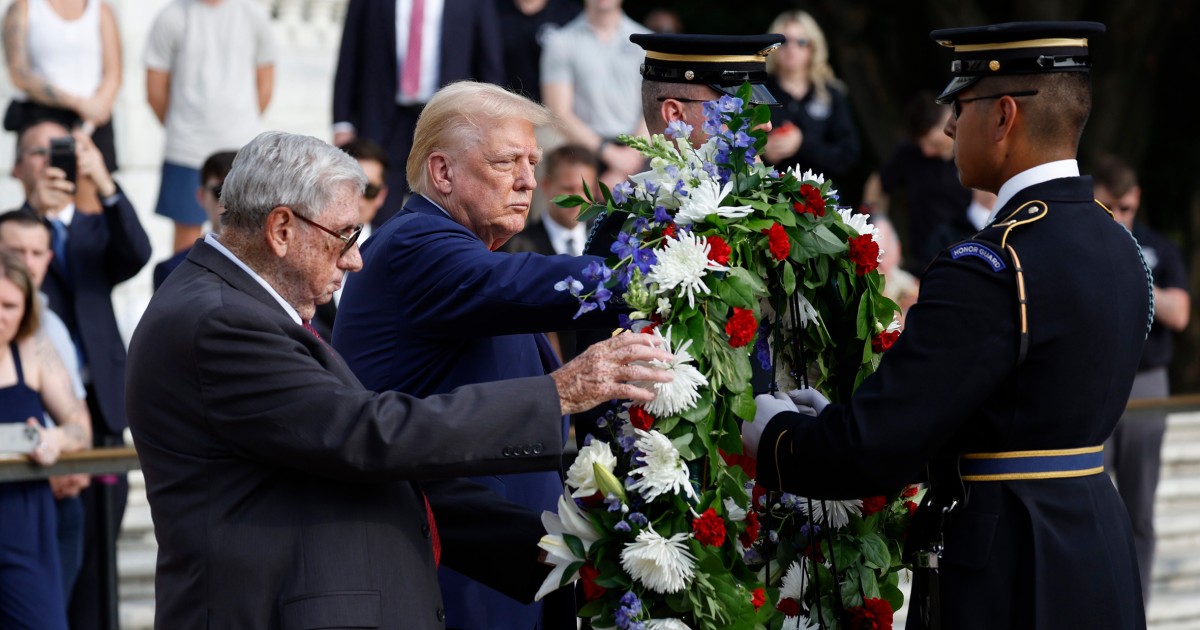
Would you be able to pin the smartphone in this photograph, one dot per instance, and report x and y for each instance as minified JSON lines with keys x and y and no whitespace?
{"x":62,"y":155}
{"x":17,"y":438}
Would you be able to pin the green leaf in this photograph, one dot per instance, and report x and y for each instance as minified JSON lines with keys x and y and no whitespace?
{"x":828,"y":242}
{"x":875,"y":551}
{"x":591,"y":609}
{"x":568,"y":201}
{"x":868,"y":581}
{"x":756,"y":284}
{"x":591,"y":212}
{"x":575,"y":545}
{"x":733,"y":291}
{"x":614,"y":579}
{"x":789,"y":279}
{"x":743,"y":405}
{"x":664,"y":425}
{"x":701,"y":411}
{"x":568,"y":576}
{"x":865,"y":320}
{"x":892,"y":595}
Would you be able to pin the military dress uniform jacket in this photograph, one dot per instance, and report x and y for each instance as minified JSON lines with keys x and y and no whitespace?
{"x":1050,"y":553}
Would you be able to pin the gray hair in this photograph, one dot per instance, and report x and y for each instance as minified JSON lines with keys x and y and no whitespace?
{"x":282,"y":169}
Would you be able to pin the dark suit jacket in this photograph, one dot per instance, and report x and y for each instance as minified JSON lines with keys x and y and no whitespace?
{"x":367,"y":78}
{"x":103,"y":250}
{"x":434,"y":309}
{"x":534,"y":238}
{"x":280,"y":487}
{"x":1046,"y":553}
{"x":164,"y":268}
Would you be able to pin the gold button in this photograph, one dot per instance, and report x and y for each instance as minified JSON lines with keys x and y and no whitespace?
{"x":689,"y":75}
{"x":993,"y":65}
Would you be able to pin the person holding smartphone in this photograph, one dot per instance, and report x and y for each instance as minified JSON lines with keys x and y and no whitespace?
{"x":98,"y":243}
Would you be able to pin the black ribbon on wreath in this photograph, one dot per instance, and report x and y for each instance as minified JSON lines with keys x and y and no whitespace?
{"x":841,"y":324}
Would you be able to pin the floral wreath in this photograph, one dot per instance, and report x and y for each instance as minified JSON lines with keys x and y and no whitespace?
{"x":740,"y":271}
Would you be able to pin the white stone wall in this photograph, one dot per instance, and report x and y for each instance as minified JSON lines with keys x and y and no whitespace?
{"x":307,"y":34}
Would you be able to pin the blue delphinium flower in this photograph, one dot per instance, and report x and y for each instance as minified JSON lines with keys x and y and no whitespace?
{"x":711,"y":170}
{"x":621,"y":526}
{"x":661,"y":215}
{"x":585,"y":307}
{"x":627,"y":442}
{"x":621,"y":192}
{"x":729,"y":104}
{"x":809,"y":529}
{"x":743,"y":140}
{"x":679,"y":129}
{"x":639,"y":519}
{"x":624,"y":245}
{"x":651,"y":188}
{"x":613,"y":502}
{"x":640,"y":224}
{"x":569,"y":284}
{"x":596,"y":271}
{"x":602,"y":296}
{"x":762,"y":347}
{"x":643,"y":259}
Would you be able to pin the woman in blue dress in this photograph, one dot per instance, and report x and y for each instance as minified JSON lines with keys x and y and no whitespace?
{"x":33,"y":381}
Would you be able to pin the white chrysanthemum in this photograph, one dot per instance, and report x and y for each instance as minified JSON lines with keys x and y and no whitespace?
{"x":581,"y":475}
{"x":569,"y":520}
{"x":669,"y":623}
{"x":681,"y":393}
{"x":662,"y":469}
{"x":799,"y":623}
{"x":704,"y":199}
{"x":663,"y":565}
{"x":795,"y":581}
{"x":859,"y":222}
{"x":895,"y":325}
{"x":733,"y":512}
{"x":808,"y":313}
{"x":682,"y":265}
{"x":806,"y":176}
{"x":664,"y":307}
{"x":835,"y":514}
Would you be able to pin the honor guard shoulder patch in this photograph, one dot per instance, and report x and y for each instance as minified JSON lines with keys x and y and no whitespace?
{"x":979,"y":251}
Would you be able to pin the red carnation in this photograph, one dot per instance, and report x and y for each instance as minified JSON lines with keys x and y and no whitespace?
{"x":864,"y":253}
{"x":871,"y":505}
{"x":884,"y":340}
{"x":591,"y":590}
{"x":813,"y":203}
{"x":751,"y":534}
{"x":718,"y":251}
{"x":911,"y":507}
{"x":741,"y":327}
{"x":747,"y":461}
{"x":640,"y":418}
{"x":874,"y":614}
{"x":789,"y":607}
{"x":909,"y":491}
{"x":668,"y":231}
{"x":778,"y":242}
{"x":758,"y":597}
{"x":709,"y":528}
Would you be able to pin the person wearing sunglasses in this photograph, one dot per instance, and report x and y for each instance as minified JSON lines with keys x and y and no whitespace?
{"x":1014,"y":366}
{"x":208,"y":195}
{"x":813,"y":127}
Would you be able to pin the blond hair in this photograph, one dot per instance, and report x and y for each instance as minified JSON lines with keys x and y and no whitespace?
{"x":820,"y":73}
{"x":455,"y":118}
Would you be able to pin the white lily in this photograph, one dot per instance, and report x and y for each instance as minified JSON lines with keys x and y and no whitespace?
{"x":569,"y":520}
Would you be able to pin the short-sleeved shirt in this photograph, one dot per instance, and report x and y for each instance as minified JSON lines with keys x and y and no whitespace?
{"x":606,"y":75}
{"x":1166,"y":263}
{"x":212,"y":53}
{"x":523,"y":37}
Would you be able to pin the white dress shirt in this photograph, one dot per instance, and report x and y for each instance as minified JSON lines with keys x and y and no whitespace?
{"x":563,"y":240}
{"x":1030,"y":177}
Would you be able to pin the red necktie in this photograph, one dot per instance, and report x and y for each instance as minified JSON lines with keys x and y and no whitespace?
{"x":435,"y":540}
{"x":433,"y":532}
{"x":410,"y":75}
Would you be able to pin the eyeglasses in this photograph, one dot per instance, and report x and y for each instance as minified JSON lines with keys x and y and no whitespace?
{"x":372,"y":191}
{"x":956,"y":104}
{"x":349,"y":240}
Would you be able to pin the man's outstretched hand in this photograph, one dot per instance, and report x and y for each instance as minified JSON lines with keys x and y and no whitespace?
{"x":607,"y":371}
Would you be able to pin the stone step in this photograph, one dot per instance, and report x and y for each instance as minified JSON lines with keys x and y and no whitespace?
{"x":1173,"y":611}
{"x":136,"y":613}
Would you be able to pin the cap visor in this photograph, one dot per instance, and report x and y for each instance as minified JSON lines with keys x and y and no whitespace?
{"x":957,"y":85}
{"x":759,"y":94}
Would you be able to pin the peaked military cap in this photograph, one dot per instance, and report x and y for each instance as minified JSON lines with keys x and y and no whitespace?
{"x":1014,"y":48}
{"x":722,"y":62}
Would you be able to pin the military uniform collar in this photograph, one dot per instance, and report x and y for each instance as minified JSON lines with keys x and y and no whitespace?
{"x":1036,"y":175}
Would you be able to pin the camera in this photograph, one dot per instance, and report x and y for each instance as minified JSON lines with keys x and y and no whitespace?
{"x":62,"y":155}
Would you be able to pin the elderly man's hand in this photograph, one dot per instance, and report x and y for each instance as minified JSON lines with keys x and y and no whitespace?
{"x":608,"y":370}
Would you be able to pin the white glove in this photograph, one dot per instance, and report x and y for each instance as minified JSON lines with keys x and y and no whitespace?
{"x":809,"y":401}
{"x":768,"y":407}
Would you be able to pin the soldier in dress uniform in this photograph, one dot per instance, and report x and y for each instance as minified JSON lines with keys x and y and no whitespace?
{"x":1014,"y":366}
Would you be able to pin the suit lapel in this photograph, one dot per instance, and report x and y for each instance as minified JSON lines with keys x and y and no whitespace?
{"x":208,"y":257}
